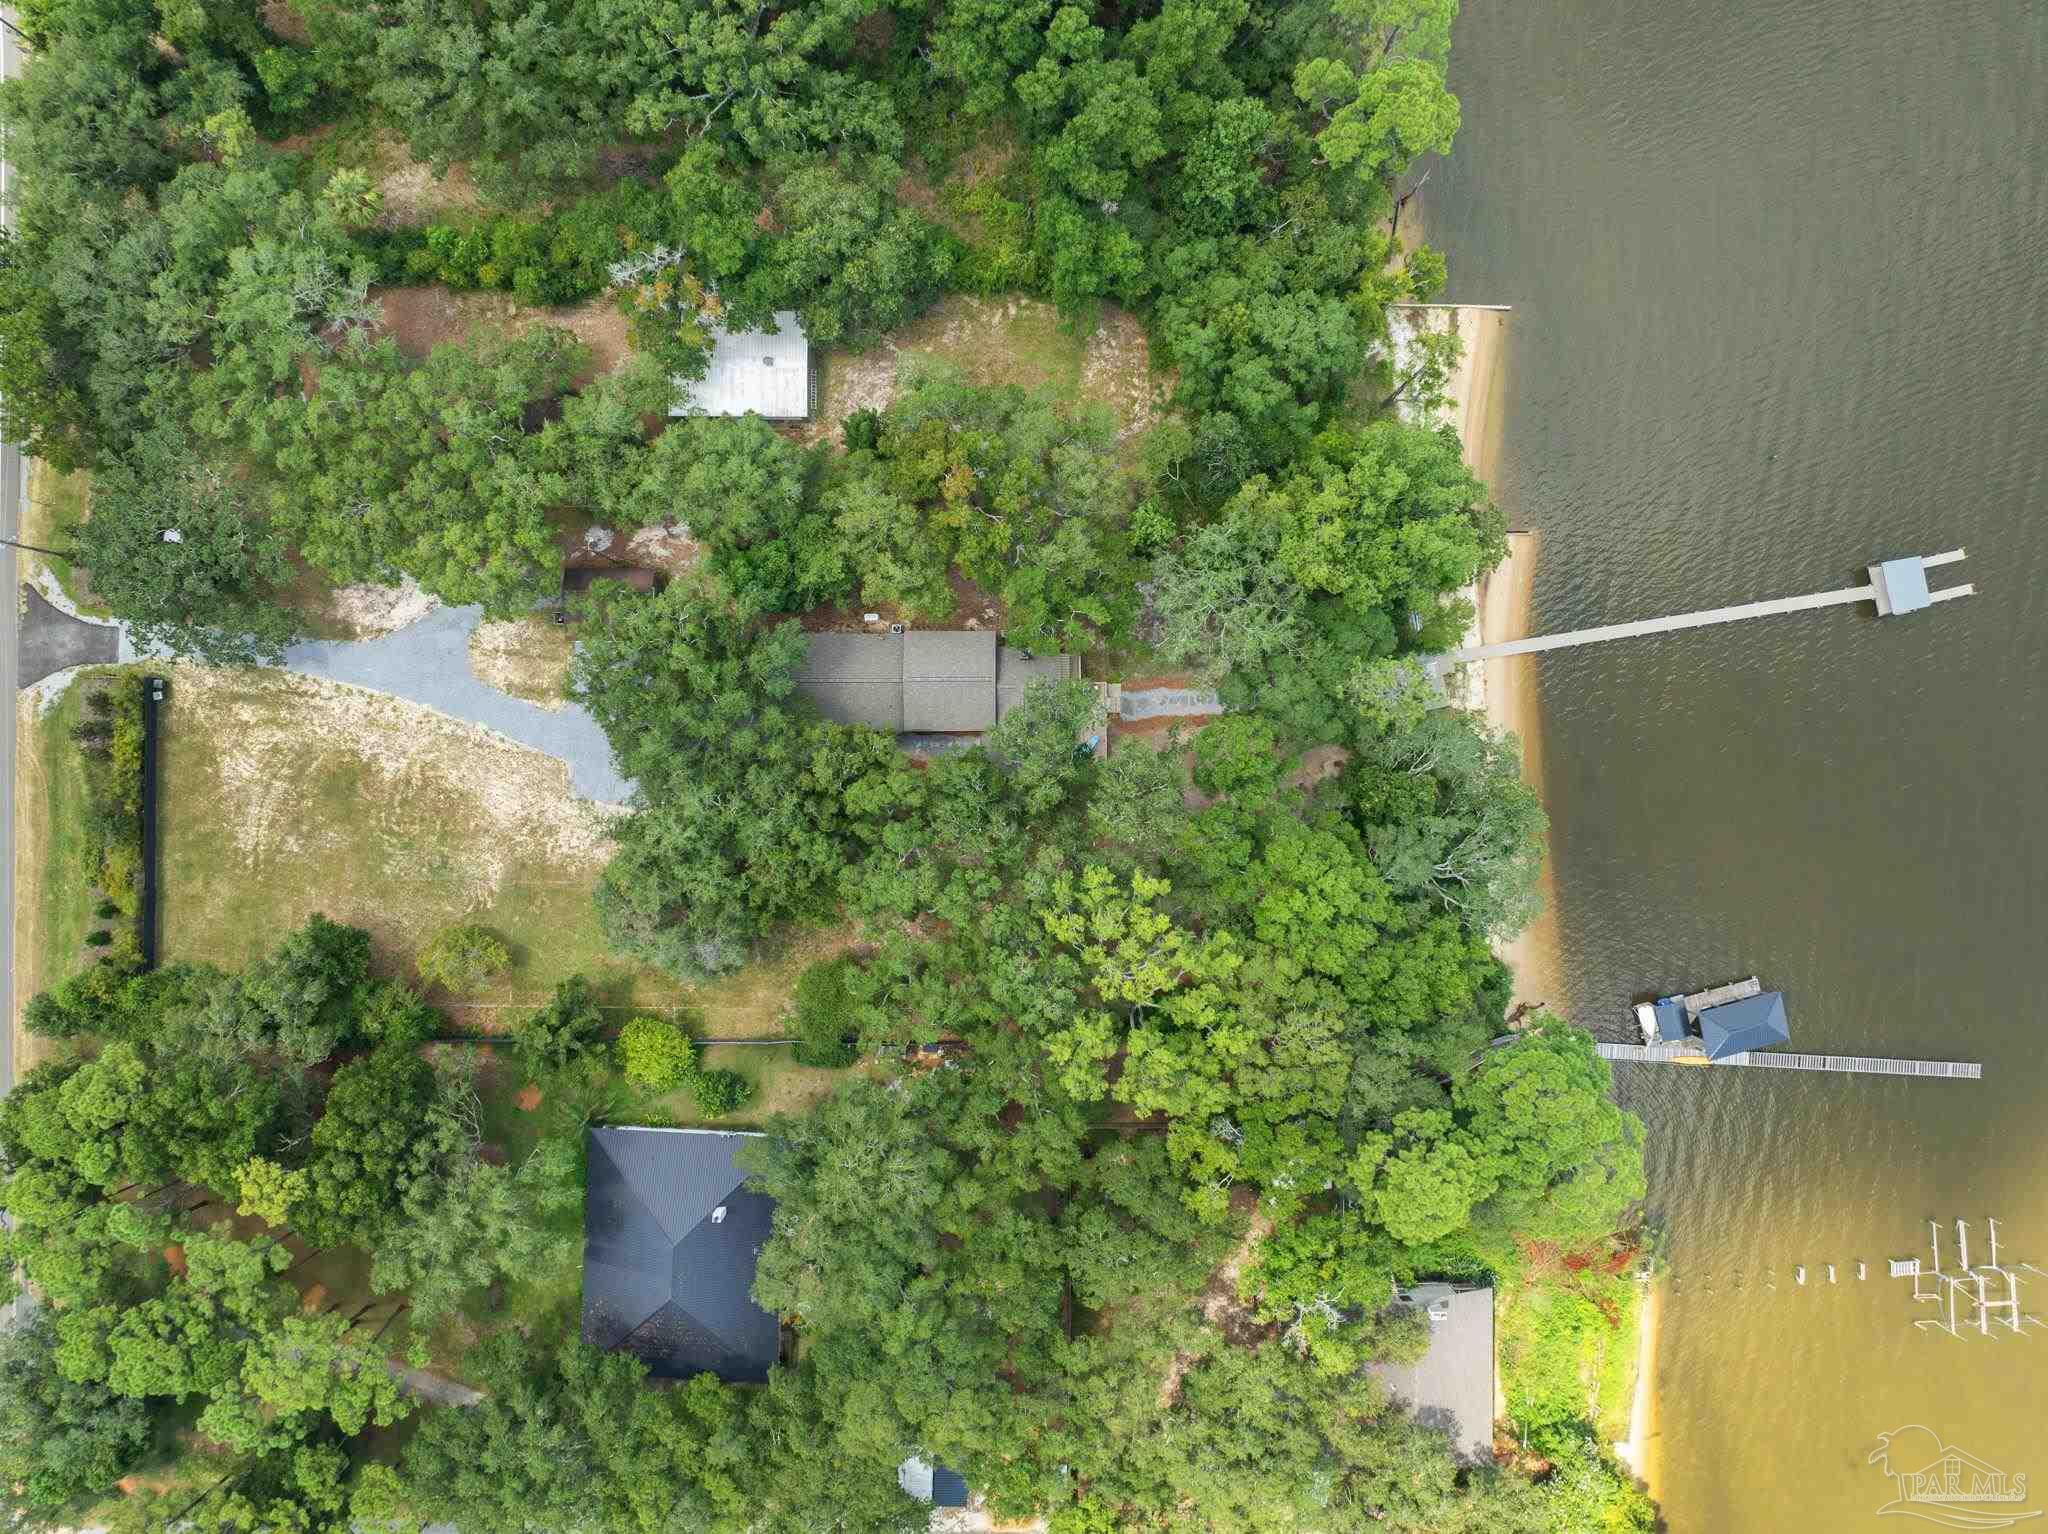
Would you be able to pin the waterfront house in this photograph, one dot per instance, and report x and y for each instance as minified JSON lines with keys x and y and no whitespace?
{"x":1451,"y":1387}
{"x":924,"y":682}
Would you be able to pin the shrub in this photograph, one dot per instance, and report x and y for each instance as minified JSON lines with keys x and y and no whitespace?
{"x":655,"y":1054}
{"x":564,"y":1031}
{"x":720,"y":1092}
{"x":99,"y":937}
{"x":824,"y":1014}
{"x":389,"y":1012}
{"x":462,"y":958}
{"x":121,"y":874}
{"x":106,"y":910}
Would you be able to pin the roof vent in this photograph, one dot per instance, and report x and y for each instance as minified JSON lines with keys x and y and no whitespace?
{"x":718,"y":1215}
{"x":768,"y":362}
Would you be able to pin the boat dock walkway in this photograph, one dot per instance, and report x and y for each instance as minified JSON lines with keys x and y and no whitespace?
{"x":1721,"y":995}
{"x":1897,"y":586}
{"x":1690,"y":1052}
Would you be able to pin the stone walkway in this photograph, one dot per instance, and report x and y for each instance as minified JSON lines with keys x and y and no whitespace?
{"x":1178,"y":702}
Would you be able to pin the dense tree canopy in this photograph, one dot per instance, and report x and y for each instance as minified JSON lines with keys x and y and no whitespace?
{"x":1168,"y":1065}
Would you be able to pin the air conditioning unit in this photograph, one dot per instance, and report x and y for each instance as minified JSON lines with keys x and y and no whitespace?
{"x":718,"y":1215}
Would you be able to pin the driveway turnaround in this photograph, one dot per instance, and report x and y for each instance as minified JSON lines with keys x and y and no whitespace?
{"x":52,"y":640}
{"x":428,"y":662}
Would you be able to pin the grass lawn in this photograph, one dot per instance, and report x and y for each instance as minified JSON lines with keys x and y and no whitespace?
{"x":57,"y":502}
{"x":1013,"y":340}
{"x":780,"y":1086}
{"x":53,"y":891}
{"x":282,"y":796}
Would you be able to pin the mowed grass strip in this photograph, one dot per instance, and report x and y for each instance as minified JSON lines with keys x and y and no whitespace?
{"x":58,"y":502}
{"x":53,"y":889}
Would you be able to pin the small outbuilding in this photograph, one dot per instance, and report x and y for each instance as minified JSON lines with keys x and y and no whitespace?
{"x":753,"y":372}
{"x":1450,"y":1387}
{"x":671,"y":1236}
{"x":932,"y":1483}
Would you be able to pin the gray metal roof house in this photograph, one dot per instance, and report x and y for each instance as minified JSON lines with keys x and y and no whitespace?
{"x":1451,"y":1387}
{"x":932,"y":1483}
{"x":1755,"y":1022}
{"x":753,"y":372}
{"x":671,"y":1237}
{"x":923,"y":682}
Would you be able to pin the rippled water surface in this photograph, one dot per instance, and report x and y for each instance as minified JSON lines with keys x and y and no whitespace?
{"x":1778,"y":272}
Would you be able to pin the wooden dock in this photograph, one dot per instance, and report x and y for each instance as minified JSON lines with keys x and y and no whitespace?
{"x":1720,"y":996}
{"x":1869,"y":592}
{"x":1691,"y":1052}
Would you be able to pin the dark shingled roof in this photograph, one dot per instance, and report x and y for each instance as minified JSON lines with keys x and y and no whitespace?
{"x":949,"y":680}
{"x":661,"y":1279}
{"x":855,"y":678}
{"x":924,"y":682}
{"x":1755,"y":1022}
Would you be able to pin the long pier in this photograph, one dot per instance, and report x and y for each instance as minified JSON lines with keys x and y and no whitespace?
{"x":1896,"y":586}
{"x":1691,"y":1052}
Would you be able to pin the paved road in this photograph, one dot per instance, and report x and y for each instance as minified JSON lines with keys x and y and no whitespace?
{"x":13,"y":495}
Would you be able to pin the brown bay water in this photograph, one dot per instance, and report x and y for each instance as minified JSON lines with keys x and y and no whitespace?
{"x":1781,"y":285}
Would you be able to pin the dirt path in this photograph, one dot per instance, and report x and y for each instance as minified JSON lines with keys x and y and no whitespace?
{"x":1221,"y":1307}
{"x":432,"y":1387}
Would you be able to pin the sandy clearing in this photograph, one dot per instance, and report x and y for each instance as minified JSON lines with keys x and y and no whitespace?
{"x":267,"y":729}
{"x":526,"y":657}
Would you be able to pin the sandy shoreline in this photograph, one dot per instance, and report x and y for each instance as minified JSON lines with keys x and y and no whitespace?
{"x":1633,"y":1450}
{"x":1506,"y":692}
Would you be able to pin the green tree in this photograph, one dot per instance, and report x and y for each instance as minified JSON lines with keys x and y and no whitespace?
{"x":268,"y":1191}
{"x":462,"y":1231}
{"x":461,"y":959}
{"x":1565,"y":1159}
{"x":823,"y":1018}
{"x":655,"y":1054}
{"x":63,"y":1442}
{"x":571,"y":1439}
{"x":174,"y":548}
{"x":298,"y":1000}
{"x":392,"y":470}
{"x":569,"y":1028}
{"x":310,"y":1366}
{"x":380,"y":1133}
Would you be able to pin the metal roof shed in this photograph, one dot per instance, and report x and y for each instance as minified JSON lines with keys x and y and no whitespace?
{"x":1756,"y":1022}
{"x":932,"y":1483}
{"x":753,"y":372}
